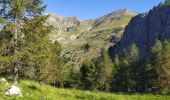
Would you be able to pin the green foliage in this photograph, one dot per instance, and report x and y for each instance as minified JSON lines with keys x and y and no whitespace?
{"x":88,"y":75}
{"x":160,"y":66}
{"x":26,"y":50}
{"x":56,"y":72}
{"x":133,"y":54}
{"x":104,"y":71}
{"x":74,"y":80}
{"x":124,"y":79}
{"x":16,"y":14}
{"x":133,"y":74}
{"x":35,"y":91}
{"x":163,"y":71}
{"x":156,"y":52}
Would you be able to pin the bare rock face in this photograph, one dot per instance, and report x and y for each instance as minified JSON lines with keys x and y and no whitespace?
{"x":144,"y":29}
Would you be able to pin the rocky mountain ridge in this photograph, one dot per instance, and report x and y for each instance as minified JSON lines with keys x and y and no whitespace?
{"x":59,"y":20}
{"x":67,"y":29}
{"x":144,"y":29}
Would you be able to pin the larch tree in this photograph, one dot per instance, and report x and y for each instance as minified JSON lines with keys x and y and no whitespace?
{"x":163,"y":70}
{"x":156,"y":53}
{"x":21,"y":22}
{"x":104,"y":71}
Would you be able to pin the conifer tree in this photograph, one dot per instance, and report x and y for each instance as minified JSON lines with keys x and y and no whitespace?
{"x":163,"y":70}
{"x":88,"y":75}
{"x":133,"y":59}
{"x":156,"y":53}
{"x":16,"y":13}
{"x":133,"y":55}
{"x":104,"y":71}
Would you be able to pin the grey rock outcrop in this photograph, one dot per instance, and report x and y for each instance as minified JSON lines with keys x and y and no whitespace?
{"x":143,"y":30}
{"x":13,"y":90}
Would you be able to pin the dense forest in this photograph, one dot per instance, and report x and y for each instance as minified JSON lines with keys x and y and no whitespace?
{"x":27,"y":53}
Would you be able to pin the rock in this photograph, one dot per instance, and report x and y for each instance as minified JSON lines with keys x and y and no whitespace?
{"x":143,"y":30}
{"x":13,"y":90}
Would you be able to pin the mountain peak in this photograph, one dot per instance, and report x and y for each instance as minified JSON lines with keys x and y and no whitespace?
{"x":59,"y":20}
{"x":125,"y":12}
{"x":113,"y":16}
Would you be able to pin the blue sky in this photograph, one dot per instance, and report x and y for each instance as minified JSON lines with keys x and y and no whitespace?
{"x":89,"y":9}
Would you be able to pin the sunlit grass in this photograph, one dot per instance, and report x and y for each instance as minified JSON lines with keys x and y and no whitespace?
{"x":35,"y":91}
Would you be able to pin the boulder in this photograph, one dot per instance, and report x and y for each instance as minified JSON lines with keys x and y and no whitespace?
{"x":13,"y":90}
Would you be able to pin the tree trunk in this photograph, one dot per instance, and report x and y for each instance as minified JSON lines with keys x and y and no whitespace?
{"x":16,"y":73}
{"x":16,"y":49}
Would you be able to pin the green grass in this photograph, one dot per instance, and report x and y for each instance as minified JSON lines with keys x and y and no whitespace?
{"x":122,"y":22}
{"x":35,"y":91}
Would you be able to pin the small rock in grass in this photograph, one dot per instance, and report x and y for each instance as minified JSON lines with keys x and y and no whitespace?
{"x":13,"y":90}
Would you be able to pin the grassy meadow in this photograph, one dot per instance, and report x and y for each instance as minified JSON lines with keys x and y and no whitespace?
{"x":35,"y":91}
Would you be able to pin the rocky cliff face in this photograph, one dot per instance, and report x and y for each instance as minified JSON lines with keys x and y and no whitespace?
{"x":144,"y":29}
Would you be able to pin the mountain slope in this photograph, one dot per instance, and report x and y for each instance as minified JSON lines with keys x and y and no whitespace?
{"x":144,"y":29}
{"x":110,"y":19}
{"x":76,"y":34}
